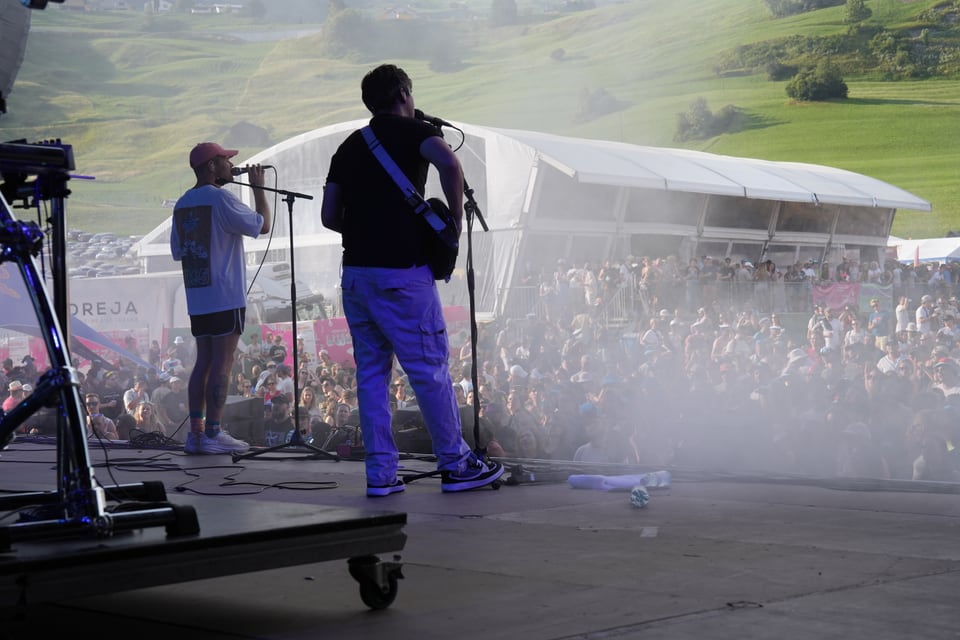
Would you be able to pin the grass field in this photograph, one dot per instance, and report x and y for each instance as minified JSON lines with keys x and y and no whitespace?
{"x":133,"y":101}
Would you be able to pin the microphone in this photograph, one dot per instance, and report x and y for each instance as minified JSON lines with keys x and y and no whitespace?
{"x":239,"y":171}
{"x":435,"y":121}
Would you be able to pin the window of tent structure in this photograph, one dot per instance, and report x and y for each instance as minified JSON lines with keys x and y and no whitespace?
{"x":669,"y":207}
{"x":740,"y":213}
{"x":806,"y":217}
{"x":562,"y":197}
{"x":864,"y":221}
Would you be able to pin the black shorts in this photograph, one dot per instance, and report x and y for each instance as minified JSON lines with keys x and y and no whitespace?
{"x":220,"y":323}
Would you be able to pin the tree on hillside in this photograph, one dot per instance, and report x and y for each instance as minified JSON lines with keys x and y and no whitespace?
{"x":345,"y":31}
{"x":822,"y":82}
{"x":856,"y":11}
{"x":503,"y":12}
{"x":255,"y":9}
{"x":699,"y":123}
{"x":597,"y":103}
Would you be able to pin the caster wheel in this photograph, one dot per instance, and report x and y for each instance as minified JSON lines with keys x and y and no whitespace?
{"x":377,"y":580}
{"x":375,"y":597}
{"x":496,"y":485}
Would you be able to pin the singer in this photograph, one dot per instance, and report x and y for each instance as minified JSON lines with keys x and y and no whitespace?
{"x":206,"y":237}
{"x":390,"y":297}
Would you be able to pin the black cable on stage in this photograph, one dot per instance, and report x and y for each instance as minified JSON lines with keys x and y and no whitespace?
{"x":296,"y":485}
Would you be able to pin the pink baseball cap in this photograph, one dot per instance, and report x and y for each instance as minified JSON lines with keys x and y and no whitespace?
{"x":208,"y":151}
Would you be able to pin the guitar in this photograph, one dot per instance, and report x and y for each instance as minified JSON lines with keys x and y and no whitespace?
{"x":442,"y":247}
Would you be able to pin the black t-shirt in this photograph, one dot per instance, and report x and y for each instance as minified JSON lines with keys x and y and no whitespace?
{"x":106,"y":397}
{"x":380,"y":229}
{"x":283,"y":425}
{"x":278,"y":353}
{"x":175,"y":406}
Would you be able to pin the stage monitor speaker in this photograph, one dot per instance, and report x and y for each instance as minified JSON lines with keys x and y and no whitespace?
{"x":243,"y":418}
{"x":410,"y":432}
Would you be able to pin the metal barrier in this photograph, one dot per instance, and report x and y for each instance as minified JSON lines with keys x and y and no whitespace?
{"x":633,"y":301}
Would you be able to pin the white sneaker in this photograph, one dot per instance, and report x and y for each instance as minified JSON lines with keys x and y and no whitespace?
{"x":223,"y":442}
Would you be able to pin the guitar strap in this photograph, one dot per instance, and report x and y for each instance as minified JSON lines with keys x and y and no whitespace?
{"x":410,"y":194}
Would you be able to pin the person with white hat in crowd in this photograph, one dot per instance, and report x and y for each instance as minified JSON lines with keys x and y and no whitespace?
{"x":181,"y":348}
{"x":172,"y":362}
{"x":517,"y":377}
{"x":910,"y":335}
{"x":798,"y":362}
{"x":15,"y":389}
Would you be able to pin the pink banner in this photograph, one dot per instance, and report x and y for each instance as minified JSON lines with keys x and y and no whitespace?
{"x":334,"y":336}
{"x":838,"y":295}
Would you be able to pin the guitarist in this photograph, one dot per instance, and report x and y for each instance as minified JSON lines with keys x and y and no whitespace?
{"x":390,"y":297}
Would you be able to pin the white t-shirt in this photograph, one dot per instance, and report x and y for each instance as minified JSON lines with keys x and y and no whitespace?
{"x":924,"y":324}
{"x":285,"y":385}
{"x":903,"y":317}
{"x":590,"y":452}
{"x":206,"y":237}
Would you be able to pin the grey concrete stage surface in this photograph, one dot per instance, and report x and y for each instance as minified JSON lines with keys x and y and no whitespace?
{"x":711,"y":557}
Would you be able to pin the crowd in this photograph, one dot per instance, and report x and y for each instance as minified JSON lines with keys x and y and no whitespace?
{"x":727,"y":385}
{"x":766,"y":286}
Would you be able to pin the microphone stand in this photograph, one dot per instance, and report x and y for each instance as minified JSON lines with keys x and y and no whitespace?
{"x":471,"y":212}
{"x":296,"y":440}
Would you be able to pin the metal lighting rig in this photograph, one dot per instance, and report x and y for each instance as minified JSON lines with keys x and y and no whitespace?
{"x":33,"y":173}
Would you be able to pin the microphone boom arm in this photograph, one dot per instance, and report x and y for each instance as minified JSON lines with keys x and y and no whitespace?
{"x":290,"y":194}
{"x":470,"y":206}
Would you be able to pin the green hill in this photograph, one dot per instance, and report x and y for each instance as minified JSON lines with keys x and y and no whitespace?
{"x":132,"y":94}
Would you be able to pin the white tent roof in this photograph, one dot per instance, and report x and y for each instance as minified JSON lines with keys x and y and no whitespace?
{"x":926,"y":249}
{"x":604,"y":162}
{"x":510,"y":154}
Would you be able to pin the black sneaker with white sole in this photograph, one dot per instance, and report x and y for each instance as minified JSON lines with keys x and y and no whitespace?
{"x":472,"y":473}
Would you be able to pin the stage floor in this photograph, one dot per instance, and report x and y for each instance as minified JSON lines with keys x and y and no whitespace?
{"x":711,"y":557}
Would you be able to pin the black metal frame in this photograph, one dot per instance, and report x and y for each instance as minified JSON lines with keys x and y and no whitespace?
{"x":79,"y":504}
